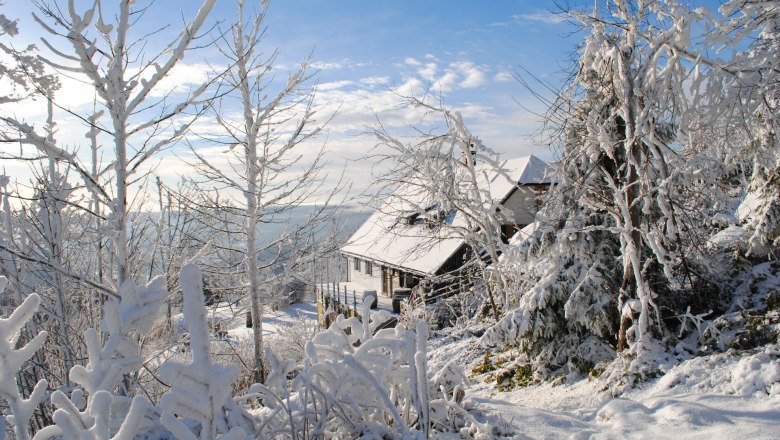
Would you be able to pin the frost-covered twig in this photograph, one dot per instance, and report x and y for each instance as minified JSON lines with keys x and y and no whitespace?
{"x":12,"y":359}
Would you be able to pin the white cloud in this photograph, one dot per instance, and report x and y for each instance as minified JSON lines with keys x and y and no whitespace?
{"x":334,"y":85}
{"x":503,"y":76}
{"x":545,"y":17}
{"x":412,"y":87}
{"x":181,"y":78}
{"x":411,"y":61}
{"x":473,"y":75}
{"x":329,"y":65}
{"x":428,"y":71}
{"x":375,"y":80}
{"x":447,"y":82}
{"x":474,"y":78}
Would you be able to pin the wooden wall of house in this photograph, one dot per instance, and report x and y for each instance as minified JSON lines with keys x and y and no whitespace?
{"x":395,"y":278}
{"x":455,"y":261}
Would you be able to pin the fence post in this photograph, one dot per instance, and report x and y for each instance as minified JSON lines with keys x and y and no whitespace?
{"x":346,"y":302}
{"x":354,"y":303}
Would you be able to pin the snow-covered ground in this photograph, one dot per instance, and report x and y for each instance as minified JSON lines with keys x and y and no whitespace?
{"x":732,"y":395}
{"x":274,"y":319}
{"x":232,"y":318}
{"x":722,"y":396}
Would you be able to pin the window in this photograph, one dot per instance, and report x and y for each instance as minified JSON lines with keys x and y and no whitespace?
{"x":357,"y":264}
{"x":369,"y":268}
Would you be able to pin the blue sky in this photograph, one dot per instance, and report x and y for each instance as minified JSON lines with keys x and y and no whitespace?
{"x":463,"y":51}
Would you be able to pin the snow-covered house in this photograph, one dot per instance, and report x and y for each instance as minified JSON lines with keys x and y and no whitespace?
{"x":398,"y":246}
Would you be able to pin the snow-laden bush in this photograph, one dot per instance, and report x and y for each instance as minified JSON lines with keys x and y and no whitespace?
{"x":562,"y":286}
{"x":353,"y":383}
{"x":358,"y":385}
{"x":102,"y":408}
{"x":756,"y":374}
{"x":200,"y":390}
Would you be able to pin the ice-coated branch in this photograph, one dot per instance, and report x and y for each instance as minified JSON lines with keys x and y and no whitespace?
{"x":201,"y":389}
{"x":95,"y":421}
{"x":185,"y":40}
{"x":99,"y":287}
{"x":51,"y":150}
{"x":12,"y":359}
{"x":136,"y":311}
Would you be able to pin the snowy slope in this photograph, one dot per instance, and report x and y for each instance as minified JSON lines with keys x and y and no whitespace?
{"x":733,"y":395}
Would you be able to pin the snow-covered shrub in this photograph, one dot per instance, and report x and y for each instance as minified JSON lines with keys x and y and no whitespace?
{"x":356,"y":384}
{"x":102,"y":408}
{"x":752,"y":318}
{"x":759,"y":373}
{"x":563,"y":284}
{"x":124,"y":321}
{"x":290,"y":340}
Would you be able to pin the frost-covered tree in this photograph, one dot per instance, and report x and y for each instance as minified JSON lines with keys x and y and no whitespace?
{"x":742,"y":96}
{"x":273,"y":164}
{"x":562,"y":282}
{"x":128,"y":84}
{"x":617,"y":196}
{"x":631,"y":102}
{"x":447,"y":172}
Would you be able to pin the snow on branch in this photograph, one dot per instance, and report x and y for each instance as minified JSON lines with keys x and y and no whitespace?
{"x":201,"y":389}
{"x":12,"y":359}
{"x":134,"y":313}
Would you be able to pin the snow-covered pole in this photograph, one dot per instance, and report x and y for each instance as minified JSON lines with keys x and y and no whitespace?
{"x":421,"y":368}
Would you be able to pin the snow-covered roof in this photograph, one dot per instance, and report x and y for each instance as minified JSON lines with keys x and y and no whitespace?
{"x":526,"y":170}
{"x":388,"y":238}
